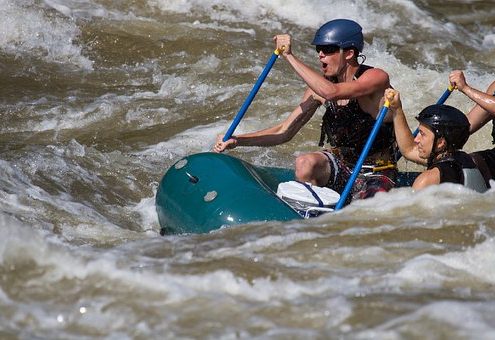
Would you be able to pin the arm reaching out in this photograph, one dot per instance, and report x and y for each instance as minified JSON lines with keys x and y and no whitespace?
{"x":484,"y":110}
{"x":279,"y":133}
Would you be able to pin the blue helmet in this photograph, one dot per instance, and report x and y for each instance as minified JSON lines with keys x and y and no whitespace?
{"x":343,"y":33}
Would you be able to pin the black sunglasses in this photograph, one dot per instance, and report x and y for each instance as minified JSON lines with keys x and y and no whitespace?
{"x":327,"y":49}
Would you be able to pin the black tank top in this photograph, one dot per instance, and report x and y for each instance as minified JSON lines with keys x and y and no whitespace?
{"x":348,"y":127}
{"x":451,"y":167}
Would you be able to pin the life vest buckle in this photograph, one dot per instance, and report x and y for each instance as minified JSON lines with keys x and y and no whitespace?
{"x":381,"y":165}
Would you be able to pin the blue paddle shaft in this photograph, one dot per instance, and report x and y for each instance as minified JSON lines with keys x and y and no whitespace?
{"x":250,"y":97}
{"x":440,"y":101}
{"x":362,"y":157}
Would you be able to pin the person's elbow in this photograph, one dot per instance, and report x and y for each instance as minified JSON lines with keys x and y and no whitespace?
{"x":286,"y":136}
{"x":287,"y":131}
{"x":410,"y":152}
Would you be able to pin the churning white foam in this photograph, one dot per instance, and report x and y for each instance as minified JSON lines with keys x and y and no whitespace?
{"x":26,"y":29}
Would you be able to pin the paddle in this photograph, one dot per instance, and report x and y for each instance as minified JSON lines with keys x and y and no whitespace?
{"x":364,"y":154}
{"x":441,"y":100}
{"x":251,"y":95}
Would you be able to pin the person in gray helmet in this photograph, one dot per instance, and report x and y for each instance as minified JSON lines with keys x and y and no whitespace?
{"x":351,"y":93}
{"x":443,"y":131}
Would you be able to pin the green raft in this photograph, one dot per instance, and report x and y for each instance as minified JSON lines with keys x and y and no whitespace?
{"x":205,"y":191}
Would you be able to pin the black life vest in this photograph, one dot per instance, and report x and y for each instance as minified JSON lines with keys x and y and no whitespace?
{"x":461,"y":169}
{"x":348,"y":127}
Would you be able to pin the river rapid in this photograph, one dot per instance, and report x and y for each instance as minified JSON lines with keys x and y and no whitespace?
{"x":99,"y":98}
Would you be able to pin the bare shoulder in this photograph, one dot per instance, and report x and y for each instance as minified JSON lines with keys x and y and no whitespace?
{"x":377,"y":75}
{"x":427,"y":178}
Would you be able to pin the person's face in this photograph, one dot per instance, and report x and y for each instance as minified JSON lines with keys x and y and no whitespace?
{"x":424,"y":141}
{"x":330,"y":59}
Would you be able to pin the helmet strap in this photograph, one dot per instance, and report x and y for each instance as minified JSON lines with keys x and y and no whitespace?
{"x":436,"y":152}
{"x":433,"y":153}
{"x":342,"y":62}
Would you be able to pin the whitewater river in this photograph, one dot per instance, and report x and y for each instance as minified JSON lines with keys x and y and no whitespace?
{"x":98,"y":98}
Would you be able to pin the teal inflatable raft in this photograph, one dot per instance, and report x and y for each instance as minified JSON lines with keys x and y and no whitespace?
{"x":205,"y":191}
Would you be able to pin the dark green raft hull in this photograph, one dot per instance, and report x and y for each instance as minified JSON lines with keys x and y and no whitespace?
{"x":205,"y":191}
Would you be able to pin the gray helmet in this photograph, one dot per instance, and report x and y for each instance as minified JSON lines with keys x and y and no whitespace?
{"x":343,"y":33}
{"x":447,"y":122}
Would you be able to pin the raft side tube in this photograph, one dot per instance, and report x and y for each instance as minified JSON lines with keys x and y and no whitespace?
{"x":206,"y":191}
